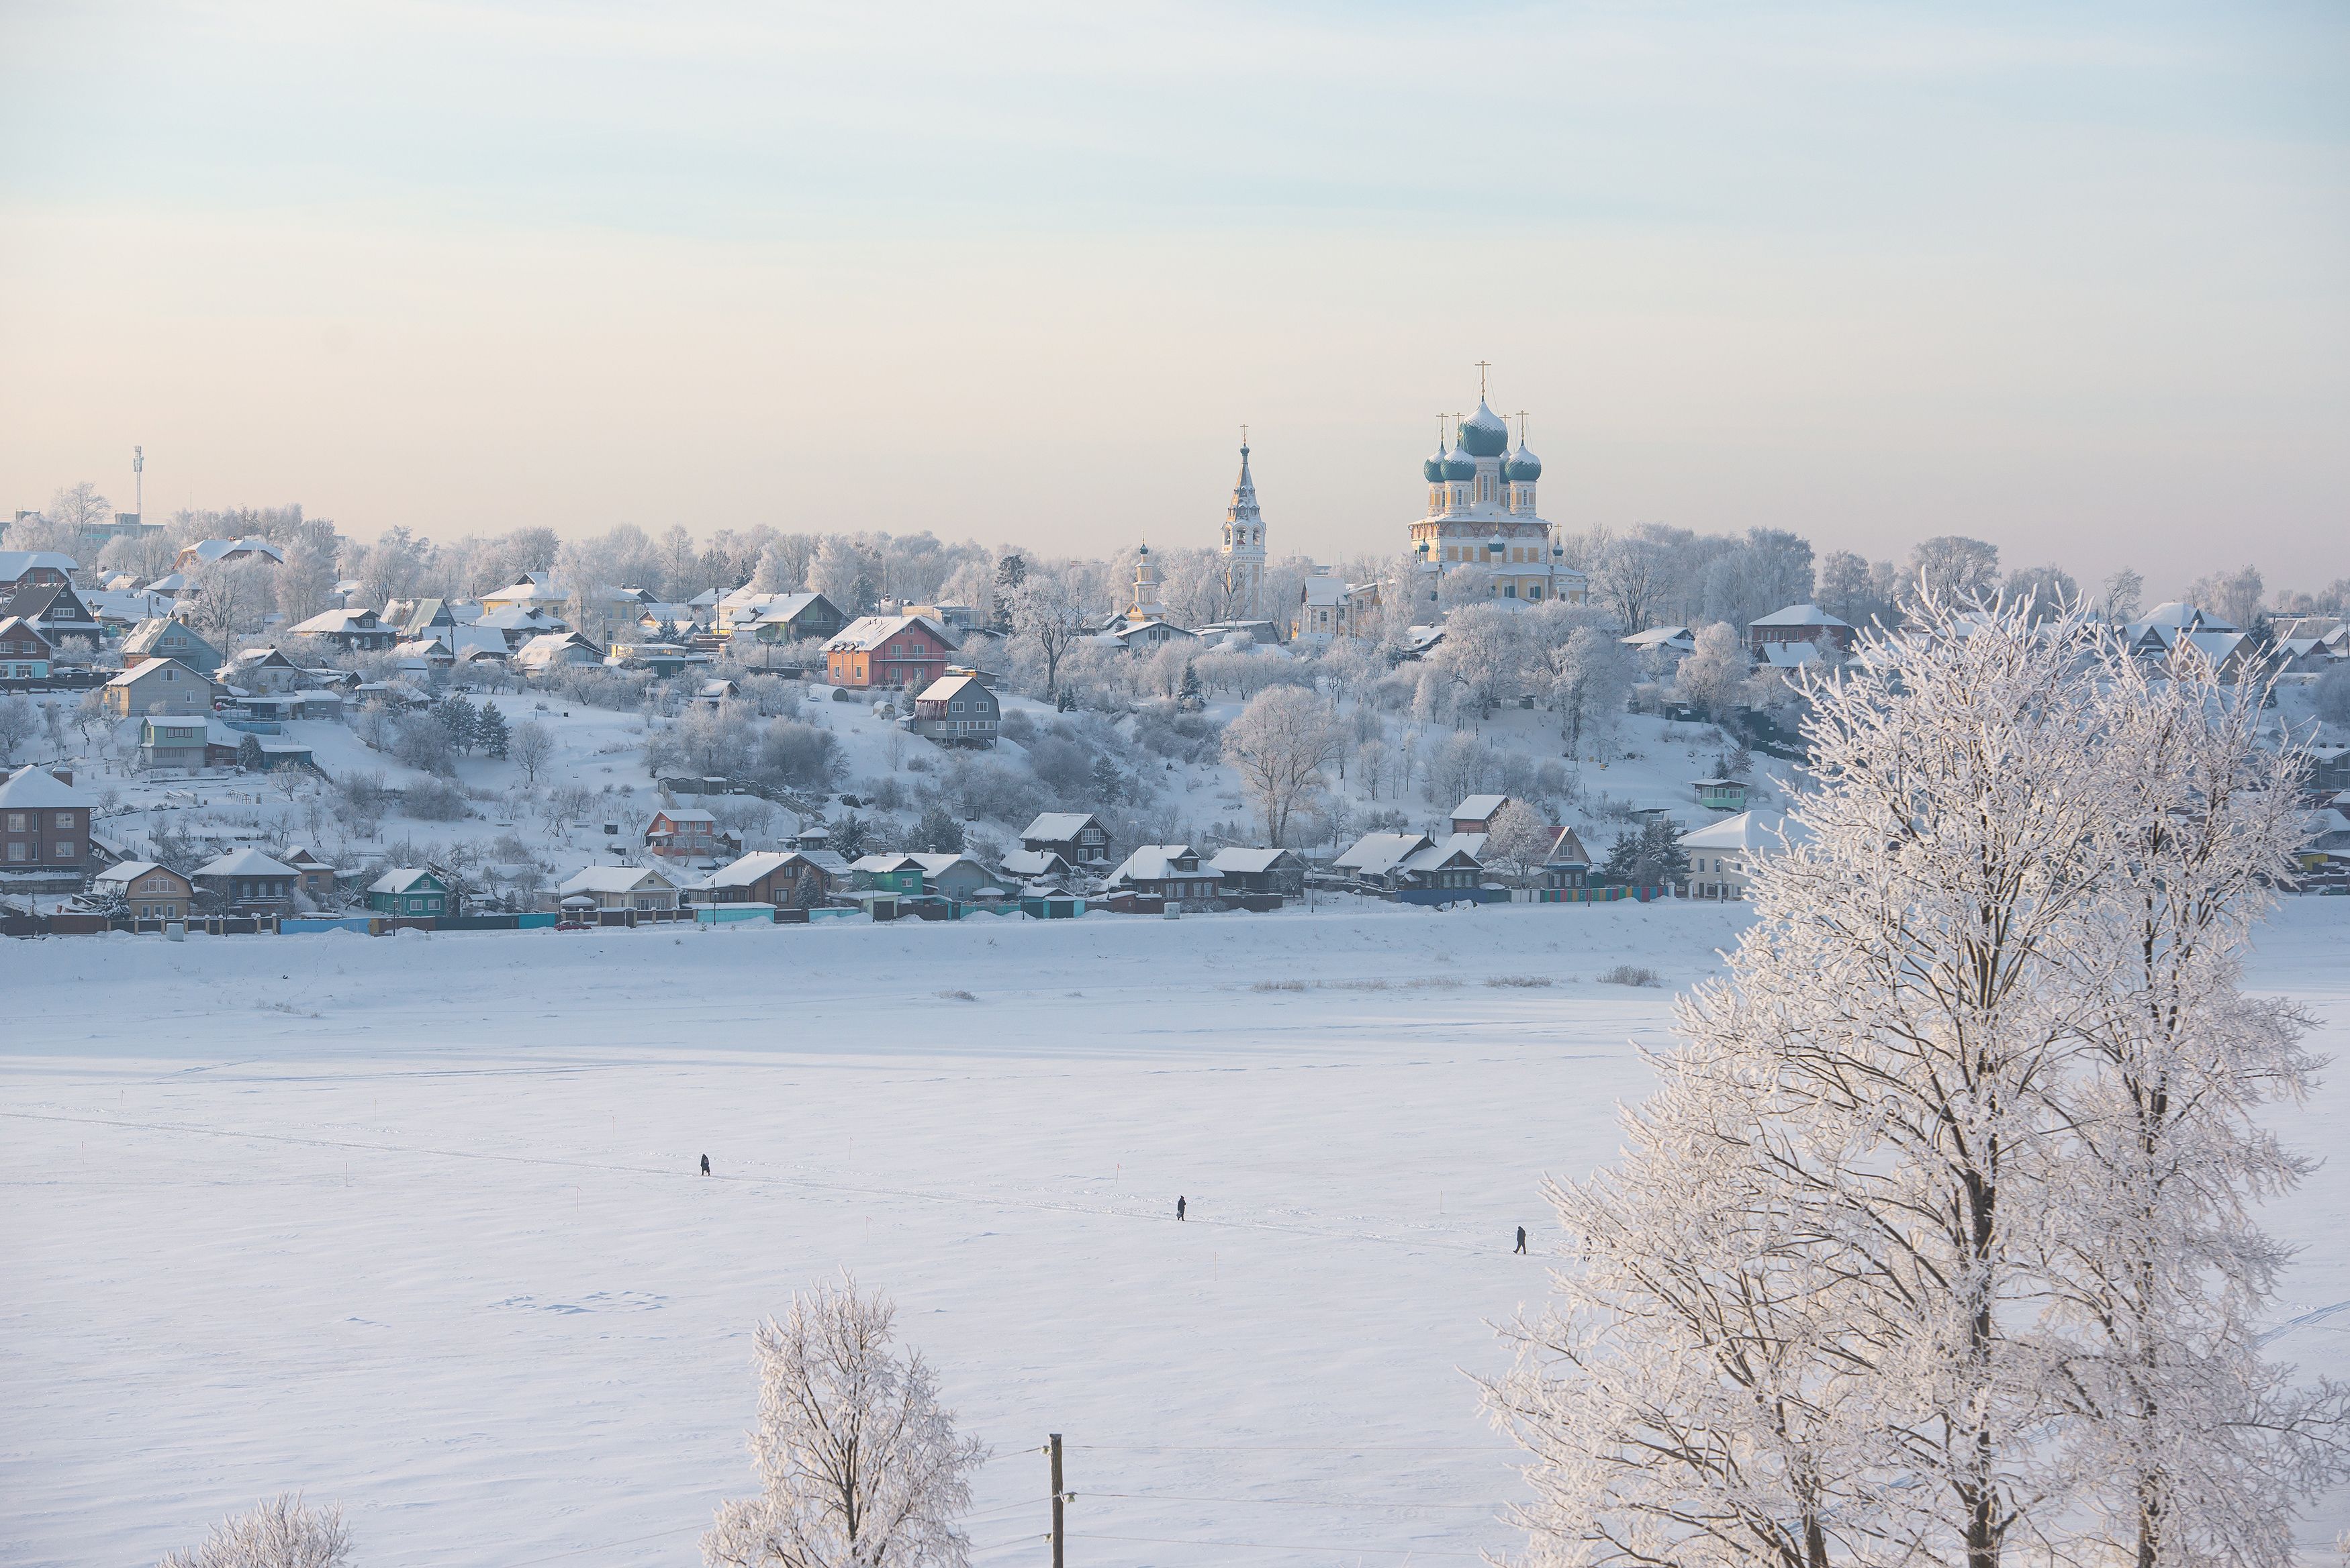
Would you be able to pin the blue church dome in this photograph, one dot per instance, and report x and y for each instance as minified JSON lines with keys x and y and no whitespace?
{"x":1483,"y":433}
{"x":1458,"y":465}
{"x":1522,"y":465}
{"x":1434,"y":467}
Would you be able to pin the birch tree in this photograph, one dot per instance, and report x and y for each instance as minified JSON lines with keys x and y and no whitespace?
{"x":2185,"y":1442}
{"x":860,"y":1464}
{"x":1280,"y":745}
{"x":1971,"y":1113}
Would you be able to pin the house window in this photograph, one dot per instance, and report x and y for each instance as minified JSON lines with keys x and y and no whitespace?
{"x":65,"y":850}
{"x":16,"y":822}
{"x":64,"y":819}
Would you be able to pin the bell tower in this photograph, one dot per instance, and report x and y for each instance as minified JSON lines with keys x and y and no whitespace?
{"x":1243,"y":545}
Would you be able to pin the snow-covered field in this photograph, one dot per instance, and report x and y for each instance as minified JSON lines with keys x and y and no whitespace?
{"x":416,"y":1224}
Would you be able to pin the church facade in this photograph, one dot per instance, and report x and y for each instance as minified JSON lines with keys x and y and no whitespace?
{"x":1480,"y":514}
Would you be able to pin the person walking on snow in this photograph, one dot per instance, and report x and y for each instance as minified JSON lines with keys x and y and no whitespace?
{"x":1179,"y":1206}
{"x":705,"y":1171}
{"x":1521,"y":1235}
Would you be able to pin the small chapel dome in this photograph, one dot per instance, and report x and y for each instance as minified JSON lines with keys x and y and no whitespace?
{"x":1522,"y":465}
{"x":1483,"y":433}
{"x":1458,"y":465}
{"x":1434,"y":467}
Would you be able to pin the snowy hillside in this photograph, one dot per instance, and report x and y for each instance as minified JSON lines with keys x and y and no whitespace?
{"x":281,"y":1217}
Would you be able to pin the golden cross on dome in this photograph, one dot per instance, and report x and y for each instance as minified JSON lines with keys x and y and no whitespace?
{"x":1482,"y":365}
{"x":1522,"y":427}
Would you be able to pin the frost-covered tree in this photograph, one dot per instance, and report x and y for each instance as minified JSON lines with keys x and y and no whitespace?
{"x":2124,"y":595}
{"x":1593,"y":676}
{"x":1280,"y":745}
{"x":1517,"y":839}
{"x":1710,"y":679}
{"x":2185,"y":1444}
{"x":859,"y":1465}
{"x":532,"y":745}
{"x":1046,"y":619}
{"x":1976,"y":1094}
{"x":1485,"y":649}
{"x":1950,"y":567}
{"x":279,"y":1534}
{"x":19,"y":722}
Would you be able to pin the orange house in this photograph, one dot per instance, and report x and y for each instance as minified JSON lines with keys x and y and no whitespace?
{"x":881,"y":651}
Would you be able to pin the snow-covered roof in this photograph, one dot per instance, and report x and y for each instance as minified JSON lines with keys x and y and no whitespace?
{"x":37,"y":789}
{"x":952,"y":686}
{"x":831,"y":862}
{"x":614,"y":879}
{"x":934,"y":864}
{"x":1799,"y":615}
{"x":1376,"y":854}
{"x":750,"y":868}
{"x":16,"y":625}
{"x":336,"y":620}
{"x":682,"y":815}
{"x":1055,"y":826}
{"x":220,"y":549}
{"x":1445,"y":851}
{"x":1156,"y":863}
{"x":884,"y":862}
{"x":246,"y":863}
{"x":867,"y":633}
{"x":1326,"y":592}
{"x":1240,"y":859}
{"x":400,"y":880}
{"x":149,"y":635}
{"x":517,"y":618}
{"x":128,"y":871}
{"x":535,"y":587}
{"x":1748,"y":831}
{"x":1791,"y":655}
{"x":1030,"y":863}
{"x":1478,"y":807}
{"x":139,"y":672}
{"x":1676,"y":636}
{"x":15,"y":564}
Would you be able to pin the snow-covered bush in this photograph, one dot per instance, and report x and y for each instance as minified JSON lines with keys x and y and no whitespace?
{"x":279,"y":1534}
{"x":796,"y":755}
{"x":433,"y":800}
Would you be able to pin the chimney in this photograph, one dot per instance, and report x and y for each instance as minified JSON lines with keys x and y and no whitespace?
{"x":63,"y":775}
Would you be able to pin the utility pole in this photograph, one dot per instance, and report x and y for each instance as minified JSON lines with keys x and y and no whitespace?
{"x":1053,"y":1448}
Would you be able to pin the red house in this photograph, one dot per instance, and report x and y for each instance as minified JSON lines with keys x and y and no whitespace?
{"x":885,"y":651}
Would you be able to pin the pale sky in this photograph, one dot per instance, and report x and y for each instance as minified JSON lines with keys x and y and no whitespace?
{"x":2073,"y":278}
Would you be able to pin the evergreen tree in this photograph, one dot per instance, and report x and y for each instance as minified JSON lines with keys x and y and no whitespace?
{"x":1648,"y":856}
{"x":846,"y":834}
{"x":1190,"y":698}
{"x":490,"y":731}
{"x":248,"y":753}
{"x":456,"y":716}
{"x":1108,"y":782}
{"x":940,"y":834}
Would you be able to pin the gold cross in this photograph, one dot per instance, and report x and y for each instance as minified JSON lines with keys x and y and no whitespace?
{"x":1482,"y":365}
{"x":1522,"y":427}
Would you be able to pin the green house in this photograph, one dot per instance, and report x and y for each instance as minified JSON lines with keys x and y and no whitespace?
{"x":409,"y":891}
{"x":885,"y":874}
{"x":1721,"y":795}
